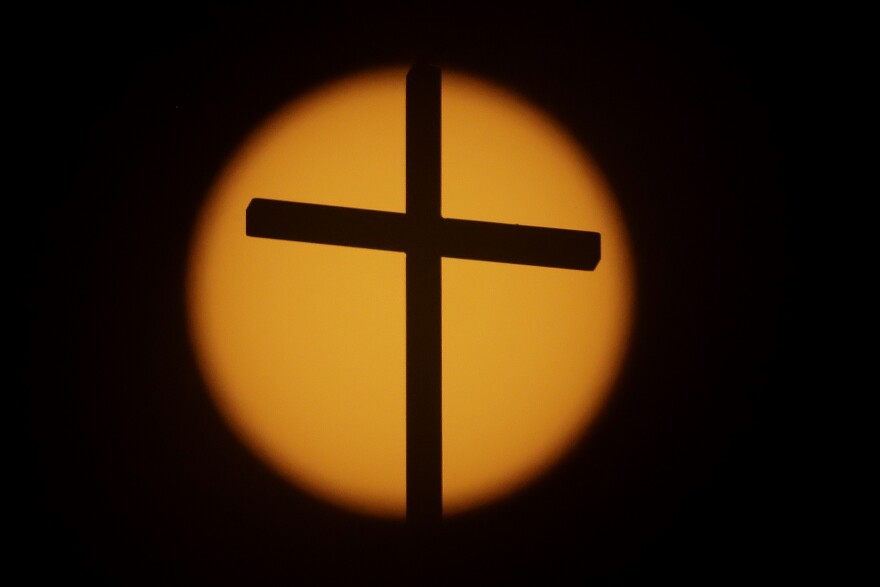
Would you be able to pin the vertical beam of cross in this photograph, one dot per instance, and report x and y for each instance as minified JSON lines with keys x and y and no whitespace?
{"x":424,"y":434}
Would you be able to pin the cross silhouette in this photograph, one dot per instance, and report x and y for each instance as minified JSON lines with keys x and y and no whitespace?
{"x":425,"y":236}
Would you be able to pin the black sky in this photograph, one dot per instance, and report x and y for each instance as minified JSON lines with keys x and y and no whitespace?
{"x":694,"y":472}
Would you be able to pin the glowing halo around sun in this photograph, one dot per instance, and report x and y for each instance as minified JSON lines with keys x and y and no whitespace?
{"x":302,"y":346}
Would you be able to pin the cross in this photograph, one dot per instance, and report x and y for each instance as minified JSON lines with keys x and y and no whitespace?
{"x":425,"y":237}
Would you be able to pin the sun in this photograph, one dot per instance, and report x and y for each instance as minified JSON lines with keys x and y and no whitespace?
{"x":302,"y":346}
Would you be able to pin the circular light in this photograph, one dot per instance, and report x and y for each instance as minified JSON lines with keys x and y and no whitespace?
{"x":302,"y":346}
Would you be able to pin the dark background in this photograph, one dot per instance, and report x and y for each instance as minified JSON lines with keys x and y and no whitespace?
{"x":697,"y":471}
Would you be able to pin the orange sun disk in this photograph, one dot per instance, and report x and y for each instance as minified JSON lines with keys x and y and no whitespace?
{"x":302,"y":346}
